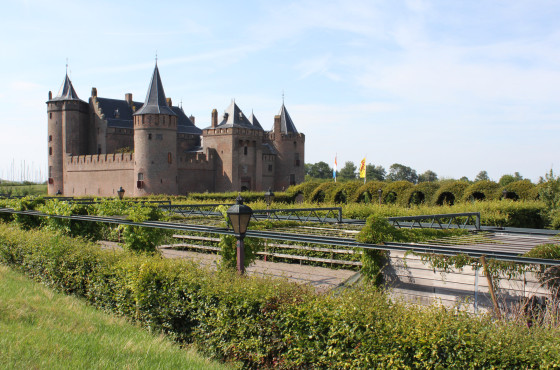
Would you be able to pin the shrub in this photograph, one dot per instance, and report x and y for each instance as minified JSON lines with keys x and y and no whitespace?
{"x":450,"y":192}
{"x":421,"y":193}
{"x":305,"y":188}
{"x":368,"y":192}
{"x":394,"y":192}
{"x":481,"y":190}
{"x":143,"y":239}
{"x":319,"y":194}
{"x":522,"y":189}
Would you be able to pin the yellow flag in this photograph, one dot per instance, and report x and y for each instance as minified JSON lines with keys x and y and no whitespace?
{"x":363,"y":169}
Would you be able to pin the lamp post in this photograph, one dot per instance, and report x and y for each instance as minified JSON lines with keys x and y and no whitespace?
{"x":269,"y":198}
{"x":379,"y":194}
{"x":58,"y":192}
{"x":239,"y":216}
{"x":120,"y":192}
{"x":504,"y":194}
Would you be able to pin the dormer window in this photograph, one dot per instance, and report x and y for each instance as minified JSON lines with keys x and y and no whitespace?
{"x":117,"y":114}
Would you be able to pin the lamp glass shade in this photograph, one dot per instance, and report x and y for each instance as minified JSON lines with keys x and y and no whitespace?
{"x":120,"y":192}
{"x":239,"y":216}
{"x":269,"y":196}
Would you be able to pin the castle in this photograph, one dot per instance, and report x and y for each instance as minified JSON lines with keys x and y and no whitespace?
{"x":95,"y":148}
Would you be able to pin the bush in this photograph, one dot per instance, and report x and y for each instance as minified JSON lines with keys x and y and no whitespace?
{"x":319,"y":195}
{"x":481,"y":190}
{"x":368,"y":192}
{"x":264,"y":323}
{"x":421,"y":193}
{"x":395,"y":192}
{"x":305,"y":188}
{"x":450,"y":192}
{"x":143,"y":239}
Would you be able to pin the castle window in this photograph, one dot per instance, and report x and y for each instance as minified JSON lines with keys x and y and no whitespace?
{"x":140,"y":176}
{"x":149,"y":136}
{"x":50,"y":150}
{"x":245,"y":150}
{"x":50,"y":138}
{"x":292,"y":179}
{"x":269,"y":168}
{"x":296,"y":159}
{"x":295,"y":144}
{"x":169,"y":159}
{"x":50,"y":115}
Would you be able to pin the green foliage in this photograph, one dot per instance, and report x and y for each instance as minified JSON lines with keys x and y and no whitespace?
{"x":395,"y":192}
{"x":368,"y":192}
{"x":87,"y":229}
{"x":376,"y":173}
{"x":481,"y":190}
{"x":399,"y":172}
{"x":319,"y":194}
{"x":341,"y":192}
{"x":428,"y":176}
{"x":482,"y":176}
{"x":306,"y":188}
{"x":348,"y":172}
{"x":450,"y":192}
{"x":508,"y":179}
{"x":421,"y":193}
{"x":549,"y":191}
{"x":27,"y":204}
{"x":228,"y":251}
{"x":143,"y":239}
{"x":522,"y":189}
{"x":269,"y":323}
{"x":319,"y":170}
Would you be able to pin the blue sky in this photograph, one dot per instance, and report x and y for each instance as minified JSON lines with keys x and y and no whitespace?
{"x":455,"y":87}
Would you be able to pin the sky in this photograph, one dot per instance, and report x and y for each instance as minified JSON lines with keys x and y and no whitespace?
{"x":455,"y":87}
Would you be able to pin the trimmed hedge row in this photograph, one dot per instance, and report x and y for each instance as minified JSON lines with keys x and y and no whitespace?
{"x":269,"y":323}
{"x":406,"y":193}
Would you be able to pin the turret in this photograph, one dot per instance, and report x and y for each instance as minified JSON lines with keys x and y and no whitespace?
{"x":155,"y":143}
{"x":67,"y":132}
{"x":290,"y":148}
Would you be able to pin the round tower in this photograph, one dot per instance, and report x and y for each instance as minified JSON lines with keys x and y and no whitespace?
{"x":65,"y":114}
{"x":155,"y":143}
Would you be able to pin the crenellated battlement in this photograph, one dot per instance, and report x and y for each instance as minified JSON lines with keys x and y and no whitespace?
{"x":99,"y":162}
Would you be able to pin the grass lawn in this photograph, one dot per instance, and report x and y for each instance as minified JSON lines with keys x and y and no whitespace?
{"x":42,"y":329}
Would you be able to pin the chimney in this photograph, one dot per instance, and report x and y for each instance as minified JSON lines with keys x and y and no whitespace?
{"x":277,"y":124}
{"x":93,"y":92}
{"x":128,"y":98}
{"x":191,"y":117}
{"x":50,"y":95}
{"x":214,"y":118}
{"x":169,"y":103}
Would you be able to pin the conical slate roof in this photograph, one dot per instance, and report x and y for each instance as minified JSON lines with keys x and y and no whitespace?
{"x":286,"y":124}
{"x":66,"y":91}
{"x":254,"y":121}
{"x":155,"y":99}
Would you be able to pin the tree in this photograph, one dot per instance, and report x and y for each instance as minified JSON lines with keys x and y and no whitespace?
{"x":464,"y":178}
{"x":508,"y":179}
{"x":482,"y":175}
{"x":428,"y":176}
{"x":319,"y":170}
{"x":375,"y":172}
{"x":399,"y":172}
{"x":348,"y":172}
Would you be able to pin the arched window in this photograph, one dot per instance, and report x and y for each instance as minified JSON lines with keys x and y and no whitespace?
{"x":169,"y":159}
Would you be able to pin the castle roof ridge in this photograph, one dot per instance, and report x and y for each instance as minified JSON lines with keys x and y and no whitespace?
{"x":66,"y":91}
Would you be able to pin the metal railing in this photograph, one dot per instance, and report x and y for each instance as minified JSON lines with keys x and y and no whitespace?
{"x":467,"y":220}
{"x":323,"y":215}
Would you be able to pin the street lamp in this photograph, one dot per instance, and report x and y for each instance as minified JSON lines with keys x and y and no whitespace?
{"x":379,"y":194}
{"x":58,"y":192}
{"x":269,"y":198}
{"x":239,"y":216}
{"x":120,"y":192}
{"x":504,"y":194}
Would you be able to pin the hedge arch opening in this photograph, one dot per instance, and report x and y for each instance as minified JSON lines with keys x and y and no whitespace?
{"x":299,"y":197}
{"x":390,"y":198}
{"x":319,"y":197}
{"x":510,"y":195}
{"x":477,"y":195}
{"x":364,"y":197}
{"x":416,"y":198}
{"x":340,"y":197}
{"x":446,"y":198}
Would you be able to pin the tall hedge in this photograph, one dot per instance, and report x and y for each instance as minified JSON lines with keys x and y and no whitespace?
{"x":394,"y":192}
{"x":266,"y":323}
{"x":482,"y":190}
{"x":368,"y":191}
{"x":522,"y":189}
{"x":421,"y":193}
{"x":450,"y":192}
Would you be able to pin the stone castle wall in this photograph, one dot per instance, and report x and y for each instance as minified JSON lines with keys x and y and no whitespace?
{"x":99,"y":175}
